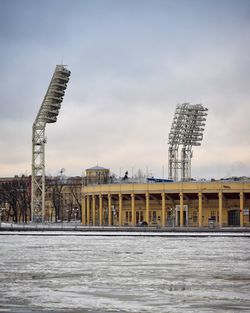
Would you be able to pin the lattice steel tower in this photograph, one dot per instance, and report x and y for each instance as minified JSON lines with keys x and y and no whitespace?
{"x":186,"y":131}
{"x":48,"y":113}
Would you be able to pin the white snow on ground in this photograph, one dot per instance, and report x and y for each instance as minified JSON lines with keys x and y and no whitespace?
{"x":123,"y":274}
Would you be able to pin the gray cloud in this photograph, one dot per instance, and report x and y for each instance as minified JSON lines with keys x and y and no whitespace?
{"x":131,"y":63}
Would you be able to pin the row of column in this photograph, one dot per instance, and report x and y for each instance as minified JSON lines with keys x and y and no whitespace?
{"x":86,"y":219}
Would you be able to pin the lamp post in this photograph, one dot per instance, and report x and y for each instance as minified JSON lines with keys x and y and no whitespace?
{"x":75,"y":212}
{"x":47,"y":113}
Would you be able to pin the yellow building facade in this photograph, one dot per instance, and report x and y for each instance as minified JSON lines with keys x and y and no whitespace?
{"x":191,"y":204}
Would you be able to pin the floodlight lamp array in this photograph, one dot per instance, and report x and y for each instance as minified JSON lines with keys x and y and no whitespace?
{"x":176,"y":132}
{"x":194,"y":125}
{"x":52,"y":101}
{"x":187,"y":131}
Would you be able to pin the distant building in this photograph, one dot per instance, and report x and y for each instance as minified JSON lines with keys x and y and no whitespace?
{"x":62,"y":199}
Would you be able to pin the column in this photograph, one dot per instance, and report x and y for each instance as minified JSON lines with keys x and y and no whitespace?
{"x":200,"y":213}
{"x":84,"y":210}
{"x":100,"y":210}
{"x":220,"y":209}
{"x":181,"y":209}
{"x":147,"y":208}
{"x":110,"y":209}
{"x":93,"y":209}
{"x":163,"y":209}
{"x":133,"y":208}
{"x":241,"y":209}
{"x":120,"y":209}
{"x":88,"y":210}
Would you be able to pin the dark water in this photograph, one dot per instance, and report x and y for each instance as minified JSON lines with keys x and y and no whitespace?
{"x":124,"y":274}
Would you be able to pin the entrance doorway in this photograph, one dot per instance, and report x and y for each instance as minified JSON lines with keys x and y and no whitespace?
{"x":234,"y":217}
{"x":139,"y":216}
{"x":185,"y":215}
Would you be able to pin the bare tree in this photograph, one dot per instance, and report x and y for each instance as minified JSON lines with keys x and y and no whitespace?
{"x":15,"y":193}
{"x":74,"y":185}
{"x":24,"y":199}
{"x":55,"y":186}
{"x":62,"y":194}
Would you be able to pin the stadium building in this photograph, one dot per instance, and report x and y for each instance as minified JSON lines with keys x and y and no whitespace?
{"x":163,"y":203}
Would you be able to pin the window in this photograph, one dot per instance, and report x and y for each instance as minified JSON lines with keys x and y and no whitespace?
{"x":195,"y":216}
{"x":154,"y":216}
{"x":126,"y":216}
{"x":130,"y":216}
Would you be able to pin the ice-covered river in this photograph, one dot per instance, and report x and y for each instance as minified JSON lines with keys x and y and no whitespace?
{"x":124,"y":274}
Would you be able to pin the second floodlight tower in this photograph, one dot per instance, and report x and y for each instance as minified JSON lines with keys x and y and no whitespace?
{"x":48,"y":113}
{"x":186,"y":131}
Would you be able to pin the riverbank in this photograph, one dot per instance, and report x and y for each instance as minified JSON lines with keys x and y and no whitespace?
{"x":78,"y":229}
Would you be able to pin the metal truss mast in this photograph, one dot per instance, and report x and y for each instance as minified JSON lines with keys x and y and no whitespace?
{"x":48,"y":113}
{"x":186,"y":131}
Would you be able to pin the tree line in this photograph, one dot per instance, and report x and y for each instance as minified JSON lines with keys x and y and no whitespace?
{"x":62,"y":199}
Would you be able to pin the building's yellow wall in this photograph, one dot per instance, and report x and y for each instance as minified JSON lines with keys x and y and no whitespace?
{"x":205,"y":187}
{"x":210,"y":207}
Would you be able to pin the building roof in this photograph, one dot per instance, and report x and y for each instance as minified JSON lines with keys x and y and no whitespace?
{"x":96,"y":168}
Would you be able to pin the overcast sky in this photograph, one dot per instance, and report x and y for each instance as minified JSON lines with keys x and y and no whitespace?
{"x":132,"y":62}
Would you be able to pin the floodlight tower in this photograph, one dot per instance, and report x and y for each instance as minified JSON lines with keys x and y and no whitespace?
{"x":47,"y":113}
{"x":192,"y":136}
{"x":186,"y":131}
{"x":174,"y":140}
